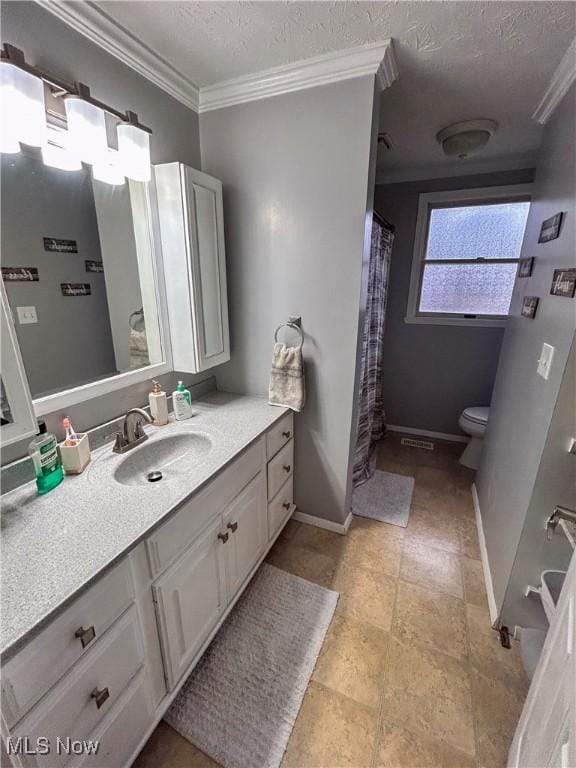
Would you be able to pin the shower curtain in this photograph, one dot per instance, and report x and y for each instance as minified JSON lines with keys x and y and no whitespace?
{"x":371,"y":416}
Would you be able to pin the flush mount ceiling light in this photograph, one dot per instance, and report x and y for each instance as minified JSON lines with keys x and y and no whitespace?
{"x":80,"y":135}
{"x":466,"y":138}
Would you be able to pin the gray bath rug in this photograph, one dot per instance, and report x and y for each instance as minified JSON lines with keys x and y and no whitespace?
{"x":385,"y":497}
{"x":240,"y":703}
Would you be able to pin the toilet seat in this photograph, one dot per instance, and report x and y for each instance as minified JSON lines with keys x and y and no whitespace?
{"x":476,"y":415}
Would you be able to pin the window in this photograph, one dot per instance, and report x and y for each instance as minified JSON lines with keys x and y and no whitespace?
{"x":466,"y":255}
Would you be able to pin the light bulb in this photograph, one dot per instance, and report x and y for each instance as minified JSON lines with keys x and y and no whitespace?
{"x":23,"y":110}
{"x":87,"y":130}
{"x":134,"y":149}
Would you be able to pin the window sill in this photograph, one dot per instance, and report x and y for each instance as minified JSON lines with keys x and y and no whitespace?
{"x":472,"y":322}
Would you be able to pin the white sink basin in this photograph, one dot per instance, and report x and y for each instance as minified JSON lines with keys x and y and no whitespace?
{"x":171,"y":456}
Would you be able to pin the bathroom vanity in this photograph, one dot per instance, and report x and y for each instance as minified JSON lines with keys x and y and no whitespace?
{"x":114,"y":586}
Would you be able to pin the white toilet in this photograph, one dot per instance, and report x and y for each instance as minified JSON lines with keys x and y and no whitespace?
{"x":473,"y":422}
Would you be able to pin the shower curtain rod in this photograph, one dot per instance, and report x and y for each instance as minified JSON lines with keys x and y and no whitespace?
{"x":384,"y":222}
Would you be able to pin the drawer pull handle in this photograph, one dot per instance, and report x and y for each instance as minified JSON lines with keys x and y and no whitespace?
{"x":286,"y":505}
{"x":100,"y":696}
{"x":86,"y":635}
{"x":286,"y":467}
{"x":286,"y":434}
{"x":223,"y":537}
{"x":232,"y":526}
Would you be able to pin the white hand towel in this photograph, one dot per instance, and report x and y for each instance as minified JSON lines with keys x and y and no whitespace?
{"x":287,"y":377}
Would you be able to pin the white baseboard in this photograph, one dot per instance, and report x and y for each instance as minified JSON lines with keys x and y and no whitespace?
{"x":428,"y":433}
{"x":484,"y":555}
{"x":320,"y":522}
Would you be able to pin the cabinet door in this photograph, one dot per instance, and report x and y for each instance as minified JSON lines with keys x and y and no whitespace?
{"x":209,"y":296}
{"x":245,"y":524}
{"x":190,"y":597}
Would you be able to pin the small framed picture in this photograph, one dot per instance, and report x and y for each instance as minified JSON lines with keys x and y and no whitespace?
{"x":564,"y":283}
{"x":529,"y":306}
{"x":525,"y":267}
{"x":550,"y":228}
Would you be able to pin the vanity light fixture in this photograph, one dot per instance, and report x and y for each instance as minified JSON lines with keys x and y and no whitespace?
{"x":23,"y":110}
{"x":109,"y":169}
{"x":25,"y":120}
{"x":134,"y":149}
{"x":86,"y":129}
{"x":57,"y":152}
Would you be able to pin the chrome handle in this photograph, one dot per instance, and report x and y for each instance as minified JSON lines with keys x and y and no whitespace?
{"x":100,"y":696}
{"x":85,"y":635}
{"x":223,"y":537}
{"x":286,"y":467}
{"x":560,"y":513}
{"x":232,"y":526}
{"x":286,"y":434}
{"x":286,"y":505}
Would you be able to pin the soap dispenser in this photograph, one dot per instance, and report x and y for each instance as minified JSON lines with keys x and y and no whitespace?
{"x":182,"y":402}
{"x":158,"y":404}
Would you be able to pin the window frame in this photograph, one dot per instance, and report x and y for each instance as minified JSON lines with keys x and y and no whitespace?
{"x":427,"y":201}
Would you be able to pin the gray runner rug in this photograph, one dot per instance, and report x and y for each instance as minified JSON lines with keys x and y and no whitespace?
{"x":385,"y":497}
{"x":240,"y":703}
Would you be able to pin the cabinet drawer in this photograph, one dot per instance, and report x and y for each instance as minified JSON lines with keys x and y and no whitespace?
{"x":280,"y":508}
{"x":121,"y":731}
{"x":41,"y":663}
{"x":72,"y":710}
{"x":279,"y":435}
{"x":280,"y":468}
{"x":172,"y":538}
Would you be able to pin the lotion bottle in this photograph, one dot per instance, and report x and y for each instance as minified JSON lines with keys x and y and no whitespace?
{"x":181,"y":400}
{"x":158,"y":405}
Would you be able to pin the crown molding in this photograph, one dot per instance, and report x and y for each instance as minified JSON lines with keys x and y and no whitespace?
{"x":371,"y":59}
{"x":562,"y":79}
{"x":95,"y":24}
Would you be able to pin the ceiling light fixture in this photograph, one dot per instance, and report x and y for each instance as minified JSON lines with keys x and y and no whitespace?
{"x":466,"y":138}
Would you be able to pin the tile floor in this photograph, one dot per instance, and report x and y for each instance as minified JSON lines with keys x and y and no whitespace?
{"x":411,"y":675}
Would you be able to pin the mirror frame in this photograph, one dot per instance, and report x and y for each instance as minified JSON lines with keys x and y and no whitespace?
{"x":75,"y":395}
{"x":15,"y":382}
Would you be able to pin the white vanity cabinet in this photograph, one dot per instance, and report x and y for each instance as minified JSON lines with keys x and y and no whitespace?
{"x":109,"y":665}
{"x":192,"y":234}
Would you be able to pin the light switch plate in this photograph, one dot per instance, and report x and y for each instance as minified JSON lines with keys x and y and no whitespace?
{"x":545,"y":361}
{"x":27,"y":315}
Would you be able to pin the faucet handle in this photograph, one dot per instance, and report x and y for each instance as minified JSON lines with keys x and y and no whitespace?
{"x":119,"y":443}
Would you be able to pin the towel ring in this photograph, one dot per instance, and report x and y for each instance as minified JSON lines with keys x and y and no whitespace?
{"x":294,"y":327}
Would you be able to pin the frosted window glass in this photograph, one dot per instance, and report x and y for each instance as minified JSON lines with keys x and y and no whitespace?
{"x":477,"y":231}
{"x":471,"y":289}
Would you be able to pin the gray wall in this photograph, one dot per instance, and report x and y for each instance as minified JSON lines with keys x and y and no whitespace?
{"x":432,"y":372}
{"x":71,"y":343}
{"x":555,"y":484}
{"x":523,"y":402}
{"x":51,"y":44}
{"x":296,"y":172}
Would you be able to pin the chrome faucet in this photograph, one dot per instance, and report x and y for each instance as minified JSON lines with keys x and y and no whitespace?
{"x":132,"y":432}
{"x":560,"y":513}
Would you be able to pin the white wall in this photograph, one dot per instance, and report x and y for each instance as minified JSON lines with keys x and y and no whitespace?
{"x":296,"y":172}
{"x":523,"y":402}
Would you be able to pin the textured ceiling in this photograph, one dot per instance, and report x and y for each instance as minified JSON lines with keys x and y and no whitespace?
{"x":457,"y":60}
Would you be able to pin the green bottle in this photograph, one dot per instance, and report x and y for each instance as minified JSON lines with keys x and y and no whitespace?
{"x":187,"y":395}
{"x":43,"y":451}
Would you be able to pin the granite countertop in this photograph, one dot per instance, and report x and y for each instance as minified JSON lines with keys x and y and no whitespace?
{"x":55,"y":545}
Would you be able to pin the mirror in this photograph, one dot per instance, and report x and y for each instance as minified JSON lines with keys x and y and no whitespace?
{"x":79,"y":272}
